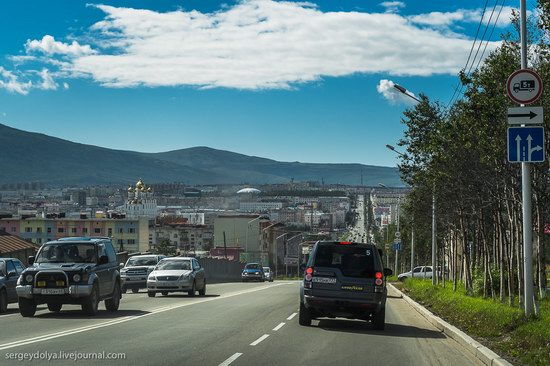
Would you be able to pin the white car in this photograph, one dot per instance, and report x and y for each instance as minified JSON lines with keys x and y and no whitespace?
{"x":268,"y":274}
{"x":418,"y":272}
{"x":177,"y":274}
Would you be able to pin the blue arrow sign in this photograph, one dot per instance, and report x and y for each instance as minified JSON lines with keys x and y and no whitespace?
{"x":525,"y":144}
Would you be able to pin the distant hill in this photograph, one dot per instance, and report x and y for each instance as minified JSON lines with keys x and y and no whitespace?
{"x":28,"y":157}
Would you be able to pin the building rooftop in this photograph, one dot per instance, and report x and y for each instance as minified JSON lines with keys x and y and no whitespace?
{"x":11,"y":243}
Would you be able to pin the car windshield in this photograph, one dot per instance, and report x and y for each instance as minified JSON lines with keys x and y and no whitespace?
{"x":252,"y":266}
{"x":352,"y":261}
{"x":266,"y":270}
{"x":142,"y":261}
{"x":168,"y":265}
{"x":67,"y":253}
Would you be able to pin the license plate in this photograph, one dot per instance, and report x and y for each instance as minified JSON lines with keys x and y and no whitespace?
{"x":330,"y":280}
{"x":134,"y":279}
{"x":352,"y":288}
{"x":53,"y":291}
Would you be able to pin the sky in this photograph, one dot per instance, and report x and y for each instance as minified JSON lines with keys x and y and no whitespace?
{"x":286,"y":80}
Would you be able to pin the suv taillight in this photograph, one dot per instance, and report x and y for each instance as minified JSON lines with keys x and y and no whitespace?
{"x":308,"y":277}
{"x":379,"y":282}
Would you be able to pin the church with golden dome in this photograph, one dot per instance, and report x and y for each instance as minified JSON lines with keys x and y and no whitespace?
{"x":141,"y":201}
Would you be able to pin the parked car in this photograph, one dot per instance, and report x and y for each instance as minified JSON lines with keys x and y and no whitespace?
{"x":418,"y":272}
{"x":10,"y":270}
{"x":268,"y":274}
{"x":73,"y":270}
{"x":253,"y":272}
{"x":344,"y":279}
{"x":178,"y":274}
{"x":136,"y":270}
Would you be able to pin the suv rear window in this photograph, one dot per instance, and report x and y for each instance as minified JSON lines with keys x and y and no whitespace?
{"x":352,"y":261}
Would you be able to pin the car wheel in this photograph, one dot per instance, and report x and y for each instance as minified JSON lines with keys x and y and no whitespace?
{"x":90,"y":303}
{"x":192,"y":291}
{"x":379,"y":319}
{"x":135,"y":290}
{"x":113,"y":303}
{"x":151,"y":293}
{"x":402,"y":279}
{"x":164,"y":293}
{"x":3,"y":301}
{"x":304,"y":318}
{"x":54,"y":307}
{"x":27,"y":307}
{"x":271,"y":280}
{"x":202,"y":291}
{"x":124,"y":289}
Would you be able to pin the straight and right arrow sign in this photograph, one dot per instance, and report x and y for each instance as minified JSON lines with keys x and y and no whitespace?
{"x":525,"y":115}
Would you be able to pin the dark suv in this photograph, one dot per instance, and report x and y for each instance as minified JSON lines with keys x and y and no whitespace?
{"x":75,"y":270}
{"x":344,"y":279}
{"x":10,"y":270}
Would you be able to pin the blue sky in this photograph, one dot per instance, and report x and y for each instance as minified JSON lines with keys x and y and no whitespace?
{"x":290,"y":81}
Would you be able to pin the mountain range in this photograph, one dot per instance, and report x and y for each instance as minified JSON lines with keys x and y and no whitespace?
{"x":31,"y":157}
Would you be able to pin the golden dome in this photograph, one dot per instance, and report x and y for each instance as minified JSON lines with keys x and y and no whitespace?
{"x":149,"y":189}
{"x":130,"y":189}
{"x":139,"y":184}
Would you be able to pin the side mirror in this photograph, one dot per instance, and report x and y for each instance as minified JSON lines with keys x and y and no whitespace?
{"x":30,"y":260}
{"x":121,"y":265}
{"x":387,"y":272}
{"x":12,"y":274}
{"x":103,"y":260}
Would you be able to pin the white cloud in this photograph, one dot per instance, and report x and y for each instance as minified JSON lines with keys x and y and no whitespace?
{"x":439,"y":19}
{"x":50,"y":46}
{"x":393,"y":6}
{"x":47,"y":81}
{"x":66,"y":86}
{"x":255,"y":44}
{"x":394,"y":96}
{"x":9,"y":81}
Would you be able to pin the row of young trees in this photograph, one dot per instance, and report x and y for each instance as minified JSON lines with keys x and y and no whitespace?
{"x":458,"y":155}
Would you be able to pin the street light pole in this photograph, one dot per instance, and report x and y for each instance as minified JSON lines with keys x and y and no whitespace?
{"x":246,"y":237}
{"x":434,"y":276}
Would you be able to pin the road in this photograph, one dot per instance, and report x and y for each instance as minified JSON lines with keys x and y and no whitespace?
{"x":236,"y":323}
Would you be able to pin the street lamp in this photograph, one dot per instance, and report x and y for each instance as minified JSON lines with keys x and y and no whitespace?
{"x":434,"y":276}
{"x":412,"y":226}
{"x":246,"y":238}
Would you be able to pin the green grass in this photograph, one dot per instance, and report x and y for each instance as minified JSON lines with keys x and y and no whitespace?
{"x":501,"y":327}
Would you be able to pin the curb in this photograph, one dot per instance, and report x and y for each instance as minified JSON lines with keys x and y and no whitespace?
{"x":481,"y":352}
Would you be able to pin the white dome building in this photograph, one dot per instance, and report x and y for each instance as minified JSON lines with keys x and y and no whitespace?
{"x":249,"y":191}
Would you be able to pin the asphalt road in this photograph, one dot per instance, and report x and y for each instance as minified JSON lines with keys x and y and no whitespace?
{"x":236,"y":323}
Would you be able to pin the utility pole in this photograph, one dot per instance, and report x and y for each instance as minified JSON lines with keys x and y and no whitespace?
{"x":396,"y":250}
{"x":434,"y":238}
{"x":526,"y":191}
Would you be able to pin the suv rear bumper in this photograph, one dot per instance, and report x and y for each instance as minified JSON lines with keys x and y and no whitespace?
{"x":73,"y":291}
{"x":335,"y":306}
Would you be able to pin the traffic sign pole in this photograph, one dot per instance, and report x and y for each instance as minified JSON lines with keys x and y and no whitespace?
{"x":526,"y":191}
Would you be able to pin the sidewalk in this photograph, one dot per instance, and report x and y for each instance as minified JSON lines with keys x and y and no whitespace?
{"x":481,"y":352}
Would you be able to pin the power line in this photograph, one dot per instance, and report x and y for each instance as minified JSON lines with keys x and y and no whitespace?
{"x":469,"y":72}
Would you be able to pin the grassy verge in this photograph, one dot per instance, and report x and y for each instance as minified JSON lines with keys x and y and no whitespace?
{"x":501,"y":327}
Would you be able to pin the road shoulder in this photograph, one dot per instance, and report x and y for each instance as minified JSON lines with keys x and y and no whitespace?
{"x":484,"y":354}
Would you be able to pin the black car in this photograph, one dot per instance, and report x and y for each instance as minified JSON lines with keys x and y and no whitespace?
{"x":10,"y":270}
{"x":344,"y":279}
{"x":74,"y":270}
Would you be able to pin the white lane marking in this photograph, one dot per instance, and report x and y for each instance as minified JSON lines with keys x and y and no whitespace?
{"x":292,"y":316}
{"x":259,"y":339}
{"x":279,"y":326}
{"x":67,"y":332}
{"x":231,"y":359}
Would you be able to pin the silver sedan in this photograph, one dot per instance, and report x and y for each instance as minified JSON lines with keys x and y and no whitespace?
{"x":178,"y":274}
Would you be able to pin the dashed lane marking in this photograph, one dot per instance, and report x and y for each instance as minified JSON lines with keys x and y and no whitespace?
{"x":231,"y":359}
{"x":257,"y":341}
